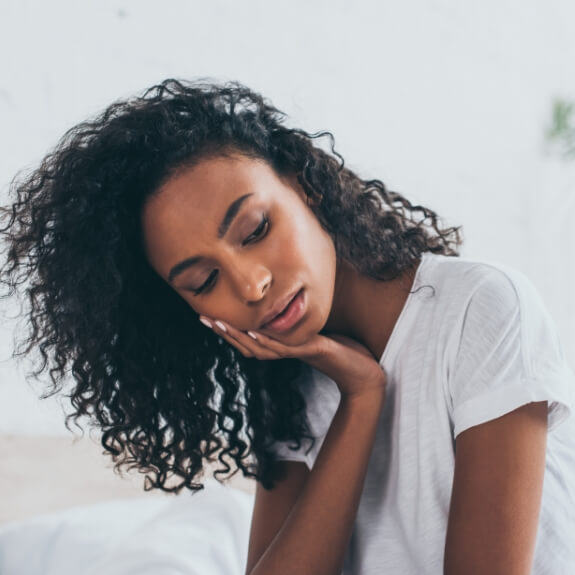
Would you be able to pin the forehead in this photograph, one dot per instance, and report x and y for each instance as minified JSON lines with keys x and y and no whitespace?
{"x":213,"y":183}
{"x":188,"y":209}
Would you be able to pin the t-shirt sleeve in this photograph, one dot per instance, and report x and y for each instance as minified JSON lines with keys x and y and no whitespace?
{"x":322,"y":398}
{"x":509,"y":355}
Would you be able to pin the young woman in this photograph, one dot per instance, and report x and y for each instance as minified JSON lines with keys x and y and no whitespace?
{"x":219,"y":286}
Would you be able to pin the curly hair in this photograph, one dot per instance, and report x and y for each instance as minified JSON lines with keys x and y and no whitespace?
{"x":166,"y":395}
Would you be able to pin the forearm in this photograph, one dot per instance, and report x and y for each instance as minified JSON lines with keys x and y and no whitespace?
{"x":315,"y":535}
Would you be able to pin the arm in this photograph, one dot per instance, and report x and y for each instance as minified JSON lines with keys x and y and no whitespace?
{"x":272,"y":506}
{"x":496,"y":497}
{"x":314,"y":536}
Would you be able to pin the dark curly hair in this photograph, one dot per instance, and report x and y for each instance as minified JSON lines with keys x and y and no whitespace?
{"x":166,"y":393}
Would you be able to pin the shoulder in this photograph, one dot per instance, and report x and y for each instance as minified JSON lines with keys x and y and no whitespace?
{"x":493,"y":287}
{"x":491,"y":311}
{"x":504,"y":348}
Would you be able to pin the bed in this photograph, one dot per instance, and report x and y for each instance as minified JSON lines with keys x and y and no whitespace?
{"x":64,"y":512}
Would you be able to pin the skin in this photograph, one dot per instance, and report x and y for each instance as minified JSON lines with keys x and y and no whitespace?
{"x":496,"y":497}
{"x":499,"y":465}
{"x":182,"y":221}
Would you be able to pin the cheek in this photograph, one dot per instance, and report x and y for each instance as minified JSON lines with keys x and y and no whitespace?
{"x":304,"y":238}
{"x":316,"y":250}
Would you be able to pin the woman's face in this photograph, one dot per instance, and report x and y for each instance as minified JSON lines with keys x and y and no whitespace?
{"x":234,"y":239}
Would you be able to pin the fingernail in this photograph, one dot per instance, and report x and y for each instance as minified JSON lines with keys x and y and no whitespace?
{"x":206,"y":322}
{"x":252,"y":335}
{"x":221,"y":325}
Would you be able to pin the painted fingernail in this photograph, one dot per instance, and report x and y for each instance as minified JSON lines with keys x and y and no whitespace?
{"x":206,"y":322}
{"x":221,"y":325}
{"x":252,"y":334}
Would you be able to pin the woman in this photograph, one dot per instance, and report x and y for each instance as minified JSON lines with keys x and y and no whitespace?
{"x":221,"y":286}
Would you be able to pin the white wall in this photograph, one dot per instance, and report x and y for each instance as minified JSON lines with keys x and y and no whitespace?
{"x":446,"y":101}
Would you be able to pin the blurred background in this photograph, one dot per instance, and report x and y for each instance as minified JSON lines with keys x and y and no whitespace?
{"x":461,"y":106}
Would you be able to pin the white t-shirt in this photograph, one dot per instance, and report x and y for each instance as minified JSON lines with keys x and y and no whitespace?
{"x":473,"y":342}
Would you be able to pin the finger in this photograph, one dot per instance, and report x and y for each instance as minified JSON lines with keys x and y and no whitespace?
{"x":309,"y":347}
{"x":277,"y":348}
{"x":251,"y":342}
{"x":246,"y":352}
{"x":245,"y":344}
{"x":222,"y":331}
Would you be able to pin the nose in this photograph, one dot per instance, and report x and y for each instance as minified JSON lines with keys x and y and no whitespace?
{"x":251,"y":281}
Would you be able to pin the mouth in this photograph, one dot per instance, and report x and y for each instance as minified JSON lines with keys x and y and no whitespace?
{"x":288,"y":316}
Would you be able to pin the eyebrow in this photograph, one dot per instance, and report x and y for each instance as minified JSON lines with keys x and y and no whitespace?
{"x":231,"y":213}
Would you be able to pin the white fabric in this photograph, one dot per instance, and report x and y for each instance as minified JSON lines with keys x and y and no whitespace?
{"x":202,"y":534}
{"x":473,"y":342}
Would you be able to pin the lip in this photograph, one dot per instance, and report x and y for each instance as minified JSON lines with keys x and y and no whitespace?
{"x":290,"y":316}
{"x":281,"y":325}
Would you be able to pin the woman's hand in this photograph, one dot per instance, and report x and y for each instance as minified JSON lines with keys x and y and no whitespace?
{"x":351,"y":365}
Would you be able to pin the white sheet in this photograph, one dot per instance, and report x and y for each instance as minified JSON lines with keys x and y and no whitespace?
{"x":202,"y":534}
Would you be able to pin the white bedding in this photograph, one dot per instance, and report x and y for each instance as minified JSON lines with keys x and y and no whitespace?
{"x":202,"y":534}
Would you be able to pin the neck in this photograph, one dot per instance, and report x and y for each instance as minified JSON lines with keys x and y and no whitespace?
{"x":367,"y":309}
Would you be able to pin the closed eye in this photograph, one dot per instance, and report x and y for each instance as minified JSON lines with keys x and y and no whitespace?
{"x":258,"y":232}
{"x":255,"y":236}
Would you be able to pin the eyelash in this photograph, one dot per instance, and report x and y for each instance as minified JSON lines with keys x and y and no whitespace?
{"x":258,"y":234}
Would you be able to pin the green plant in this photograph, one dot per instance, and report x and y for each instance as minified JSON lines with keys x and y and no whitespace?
{"x":562,"y":130}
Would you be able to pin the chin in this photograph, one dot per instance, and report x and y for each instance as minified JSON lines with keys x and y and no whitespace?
{"x":303,"y":334}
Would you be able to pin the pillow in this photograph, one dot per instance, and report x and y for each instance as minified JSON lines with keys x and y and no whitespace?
{"x":204,"y":533}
